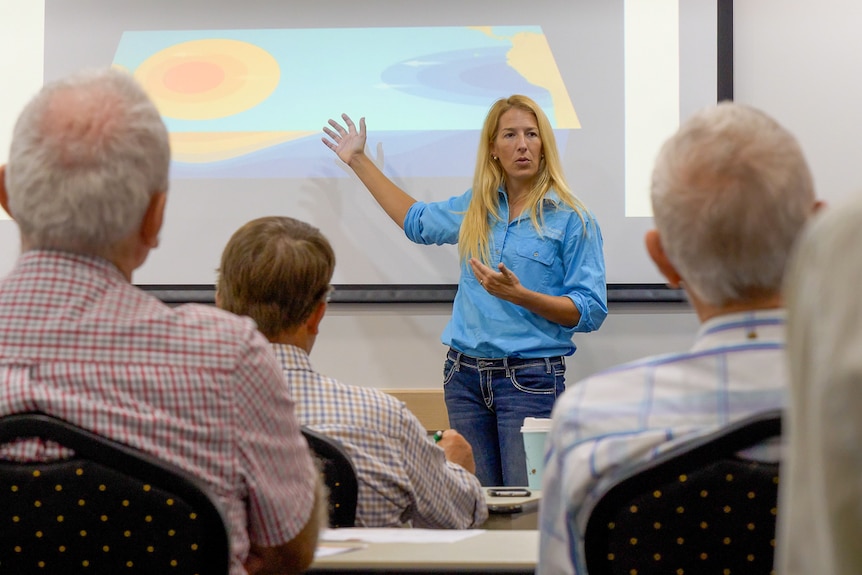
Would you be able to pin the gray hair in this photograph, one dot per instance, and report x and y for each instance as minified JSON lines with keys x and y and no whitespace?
{"x":731,"y":191}
{"x":87,"y":154}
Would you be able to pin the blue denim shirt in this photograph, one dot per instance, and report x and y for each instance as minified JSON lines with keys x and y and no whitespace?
{"x":563,"y":261}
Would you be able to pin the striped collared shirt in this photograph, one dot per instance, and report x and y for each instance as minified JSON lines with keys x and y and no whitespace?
{"x":735,"y":368}
{"x":192,"y":385}
{"x":403,"y":477}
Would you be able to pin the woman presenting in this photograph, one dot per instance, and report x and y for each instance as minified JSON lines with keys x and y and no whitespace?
{"x":532,"y":274}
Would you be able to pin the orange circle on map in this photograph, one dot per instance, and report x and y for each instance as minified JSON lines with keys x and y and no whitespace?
{"x":208,"y":79}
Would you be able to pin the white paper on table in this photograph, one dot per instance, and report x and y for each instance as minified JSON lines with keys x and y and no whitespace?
{"x":398,"y":535}
{"x":327,"y":550}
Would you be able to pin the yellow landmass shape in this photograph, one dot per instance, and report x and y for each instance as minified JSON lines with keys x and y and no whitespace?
{"x":531,"y":56}
{"x":202,"y":147}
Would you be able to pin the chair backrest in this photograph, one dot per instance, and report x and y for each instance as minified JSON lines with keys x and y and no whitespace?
{"x":700,"y":507}
{"x":428,"y":405}
{"x":339,"y":475}
{"x":107,"y":509}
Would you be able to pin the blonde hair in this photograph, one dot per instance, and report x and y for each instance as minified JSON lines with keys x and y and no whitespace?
{"x":474,"y":236}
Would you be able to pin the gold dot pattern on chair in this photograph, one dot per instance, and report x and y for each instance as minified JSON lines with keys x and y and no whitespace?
{"x":716,"y":520}
{"x":60,"y":516}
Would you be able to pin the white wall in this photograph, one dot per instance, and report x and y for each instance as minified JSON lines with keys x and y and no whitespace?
{"x":21,"y":40}
{"x":398,"y":345}
{"x":799,"y":60}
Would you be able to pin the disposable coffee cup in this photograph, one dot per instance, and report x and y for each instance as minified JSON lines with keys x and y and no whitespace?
{"x":535,"y":431}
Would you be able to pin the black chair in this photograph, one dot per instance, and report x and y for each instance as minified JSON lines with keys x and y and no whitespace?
{"x":339,"y":475}
{"x":699,"y":508}
{"x":107,"y":509}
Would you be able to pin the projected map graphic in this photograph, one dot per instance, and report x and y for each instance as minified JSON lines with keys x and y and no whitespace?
{"x":251,"y":103}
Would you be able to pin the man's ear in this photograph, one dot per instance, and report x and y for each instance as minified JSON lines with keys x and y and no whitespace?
{"x":659,"y":257}
{"x":818,"y":205}
{"x":151,"y":225}
{"x":312,"y":324}
{"x":4,"y":198}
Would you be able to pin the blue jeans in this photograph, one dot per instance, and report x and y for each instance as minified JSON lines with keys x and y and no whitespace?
{"x":488,"y":399}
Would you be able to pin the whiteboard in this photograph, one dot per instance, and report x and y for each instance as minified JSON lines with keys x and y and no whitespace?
{"x":245,"y":88}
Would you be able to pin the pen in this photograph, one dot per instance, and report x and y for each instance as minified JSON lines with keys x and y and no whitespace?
{"x":438,"y":435}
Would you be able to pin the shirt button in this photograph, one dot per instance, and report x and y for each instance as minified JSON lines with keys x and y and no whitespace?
{"x":535,"y":254}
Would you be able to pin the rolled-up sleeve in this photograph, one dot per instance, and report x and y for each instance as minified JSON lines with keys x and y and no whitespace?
{"x":436,"y":222}
{"x":585,"y":277}
{"x":446,"y":495}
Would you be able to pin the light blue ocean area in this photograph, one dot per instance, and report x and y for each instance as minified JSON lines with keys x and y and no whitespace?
{"x":413,"y":79}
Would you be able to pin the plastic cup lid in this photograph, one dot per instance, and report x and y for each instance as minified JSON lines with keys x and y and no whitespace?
{"x":536,"y":424}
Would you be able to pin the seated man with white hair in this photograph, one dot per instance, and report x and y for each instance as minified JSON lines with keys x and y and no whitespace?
{"x":731,"y":191}
{"x":87,"y":183}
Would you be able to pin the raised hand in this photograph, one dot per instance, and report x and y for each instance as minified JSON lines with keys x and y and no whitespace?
{"x":349,"y":144}
{"x":345,"y":140}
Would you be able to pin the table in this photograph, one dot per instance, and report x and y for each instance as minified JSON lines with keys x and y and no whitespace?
{"x":508,"y":552}
{"x":513,"y":512}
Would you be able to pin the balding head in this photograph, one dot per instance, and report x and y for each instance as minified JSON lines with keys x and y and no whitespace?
{"x":87,"y":155}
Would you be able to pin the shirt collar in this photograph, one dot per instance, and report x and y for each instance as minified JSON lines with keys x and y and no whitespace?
{"x":292,"y":357}
{"x":550,"y":196}
{"x":761,"y":326}
{"x":61,"y":259}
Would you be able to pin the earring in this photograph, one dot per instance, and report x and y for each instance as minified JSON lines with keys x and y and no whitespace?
{"x":494,"y":158}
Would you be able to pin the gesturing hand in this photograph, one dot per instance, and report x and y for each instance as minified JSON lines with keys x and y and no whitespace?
{"x":503,"y":284}
{"x":346,"y":142}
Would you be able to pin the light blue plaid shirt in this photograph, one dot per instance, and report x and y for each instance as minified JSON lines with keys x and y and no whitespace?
{"x":606,"y":422}
{"x":404,"y":478}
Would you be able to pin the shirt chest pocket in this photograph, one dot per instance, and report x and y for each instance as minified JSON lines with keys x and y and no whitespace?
{"x":537,"y":251}
{"x":535,"y":263}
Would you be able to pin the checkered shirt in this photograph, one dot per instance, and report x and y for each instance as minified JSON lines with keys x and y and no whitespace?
{"x":403,"y":477}
{"x":633,"y":412}
{"x":192,"y":385}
